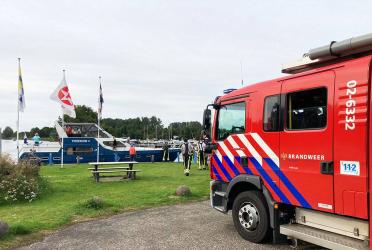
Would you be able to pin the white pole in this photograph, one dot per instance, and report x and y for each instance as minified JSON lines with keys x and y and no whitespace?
{"x":62,"y":142}
{"x":19,"y":65}
{"x":98,"y":117}
{"x":1,"y":137}
{"x":98,"y":140}
{"x":18,"y":132}
{"x":63,"y":127}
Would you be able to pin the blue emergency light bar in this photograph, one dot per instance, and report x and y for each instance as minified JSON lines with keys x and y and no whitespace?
{"x":226,"y":91}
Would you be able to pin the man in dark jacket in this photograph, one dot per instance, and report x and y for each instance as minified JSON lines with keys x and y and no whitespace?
{"x":187,"y":153}
{"x":166,"y":152}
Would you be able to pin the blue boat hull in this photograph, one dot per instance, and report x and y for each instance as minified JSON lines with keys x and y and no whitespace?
{"x":86,"y":150}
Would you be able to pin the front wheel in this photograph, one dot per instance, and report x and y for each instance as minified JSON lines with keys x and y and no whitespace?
{"x":251,"y":217}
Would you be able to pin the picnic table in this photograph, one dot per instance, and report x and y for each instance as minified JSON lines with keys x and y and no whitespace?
{"x":128,"y":171}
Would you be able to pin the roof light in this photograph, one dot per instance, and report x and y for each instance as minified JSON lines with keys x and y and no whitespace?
{"x":226,"y":91}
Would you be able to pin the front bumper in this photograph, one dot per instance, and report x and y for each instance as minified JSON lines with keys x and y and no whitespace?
{"x":218,"y":196}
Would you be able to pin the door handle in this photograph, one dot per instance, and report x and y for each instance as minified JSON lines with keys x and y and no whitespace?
{"x":326,"y":167}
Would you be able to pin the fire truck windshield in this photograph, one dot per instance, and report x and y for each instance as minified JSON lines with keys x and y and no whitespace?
{"x":231,"y":120}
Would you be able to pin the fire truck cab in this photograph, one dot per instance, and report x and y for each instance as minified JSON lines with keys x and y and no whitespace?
{"x":290,"y":156}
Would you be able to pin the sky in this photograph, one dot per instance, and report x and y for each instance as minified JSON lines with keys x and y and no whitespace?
{"x":163,"y":58}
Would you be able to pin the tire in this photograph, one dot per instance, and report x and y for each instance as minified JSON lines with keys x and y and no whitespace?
{"x":251,"y":217}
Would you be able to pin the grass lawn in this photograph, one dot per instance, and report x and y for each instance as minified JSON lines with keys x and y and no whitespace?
{"x":71,"y":187}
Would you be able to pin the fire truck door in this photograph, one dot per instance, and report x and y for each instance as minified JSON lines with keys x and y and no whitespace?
{"x":306,"y":142}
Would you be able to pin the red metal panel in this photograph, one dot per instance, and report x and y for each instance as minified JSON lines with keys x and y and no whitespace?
{"x":350,"y":136}
{"x":361,"y":204}
{"x":369,"y":150}
{"x":221,"y":151}
{"x":297,"y":146}
{"x":270,"y":138}
{"x":349,"y":202}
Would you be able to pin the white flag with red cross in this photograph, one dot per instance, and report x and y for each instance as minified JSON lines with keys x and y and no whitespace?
{"x":62,"y":95}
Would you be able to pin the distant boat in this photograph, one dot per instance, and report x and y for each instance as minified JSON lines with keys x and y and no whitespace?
{"x":81,"y":144}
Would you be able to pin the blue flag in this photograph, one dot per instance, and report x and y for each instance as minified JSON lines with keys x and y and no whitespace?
{"x":21,"y":92}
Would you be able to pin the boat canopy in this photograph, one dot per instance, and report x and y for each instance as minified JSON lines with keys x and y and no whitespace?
{"x":81,"y":130}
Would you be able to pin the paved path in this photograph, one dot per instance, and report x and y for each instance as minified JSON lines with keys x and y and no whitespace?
{"x":188,"y":226}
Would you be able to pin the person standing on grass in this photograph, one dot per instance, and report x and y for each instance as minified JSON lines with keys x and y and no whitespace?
{"x":206,"y":141}
{"x":166,"y":152}
{"x":132,"y":152}
{"x":187,"y":153}
{"x":201,"y":154}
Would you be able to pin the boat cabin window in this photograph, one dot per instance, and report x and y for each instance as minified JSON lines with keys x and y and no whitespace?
{"x":307,"y":109}
{"x":271,"y":113}
{"x":111,"y":144}
{"x":231,"y":120}
{"x":79,"y":150}
{"x":84,"y":130}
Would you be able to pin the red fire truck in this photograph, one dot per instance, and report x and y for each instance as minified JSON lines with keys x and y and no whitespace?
{"x":290,"y":156}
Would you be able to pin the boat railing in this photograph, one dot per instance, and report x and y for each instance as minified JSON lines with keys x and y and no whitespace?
{"x":43,"y":146}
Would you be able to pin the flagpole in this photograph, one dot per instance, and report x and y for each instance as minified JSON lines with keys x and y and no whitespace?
{"x":19,"y":66}
{"x":63,"y":125}
{"x":98,"y":117}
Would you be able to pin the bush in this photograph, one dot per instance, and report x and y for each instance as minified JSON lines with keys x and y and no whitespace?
{"x":18,"y":182}
{"x":19,"y":229}
{"x":95,"y":203}
{"x":6,"y":166}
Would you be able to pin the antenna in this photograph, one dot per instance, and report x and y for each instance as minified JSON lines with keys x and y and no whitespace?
{"x":241,"y":72}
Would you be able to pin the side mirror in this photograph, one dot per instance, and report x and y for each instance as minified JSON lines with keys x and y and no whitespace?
{"x":207,"y":119}
{"x":210,"y":147}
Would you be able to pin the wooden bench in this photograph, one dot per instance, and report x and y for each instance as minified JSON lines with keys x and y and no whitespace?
{"x":109,"y":168}
{"x":129,"y":172}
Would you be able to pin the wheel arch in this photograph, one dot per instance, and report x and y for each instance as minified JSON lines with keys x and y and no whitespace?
{"x":246,"y":182}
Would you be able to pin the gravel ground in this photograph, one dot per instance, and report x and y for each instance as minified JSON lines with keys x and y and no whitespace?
{"x":187,"y":226}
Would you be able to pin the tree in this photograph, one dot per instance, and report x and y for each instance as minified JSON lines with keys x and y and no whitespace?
{"x":8,"y":133}
{"x":186,"y":130}
{"x":33,"y":131}
{"x":46,"y":132}
{"x":84,"y":114}
{"x":138,"y":128}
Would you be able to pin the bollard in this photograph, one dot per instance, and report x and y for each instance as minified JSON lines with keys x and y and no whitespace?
{"x":50,"y":159}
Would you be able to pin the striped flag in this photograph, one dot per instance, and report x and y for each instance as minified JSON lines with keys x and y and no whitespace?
{"x":21,"y":92}
{"x":100,"y":101}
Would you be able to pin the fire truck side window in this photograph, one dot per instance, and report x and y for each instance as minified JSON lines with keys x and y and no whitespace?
{"x":307,"y":109}
{"x":231,"y":120}
{"x":271,"y":113}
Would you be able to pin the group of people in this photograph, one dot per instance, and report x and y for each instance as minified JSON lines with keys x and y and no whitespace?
{"x":188,"y":150}
{"x":36,"y":139}
{"x":73,"y":131}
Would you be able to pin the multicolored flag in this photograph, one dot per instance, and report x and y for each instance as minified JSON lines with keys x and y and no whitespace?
{"x":100,"y":101}
{"x":21,"y":92}
{"x":62,"y":95}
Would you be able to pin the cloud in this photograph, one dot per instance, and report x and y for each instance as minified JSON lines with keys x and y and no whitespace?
{"x":163,"y":58}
